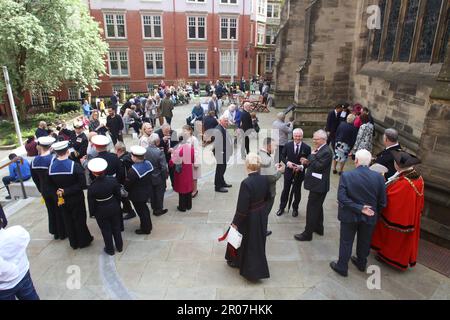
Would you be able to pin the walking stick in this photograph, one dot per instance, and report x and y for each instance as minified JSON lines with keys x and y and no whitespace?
{"x":293,"y":190}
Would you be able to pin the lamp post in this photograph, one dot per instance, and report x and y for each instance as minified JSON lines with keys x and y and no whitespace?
{"x":12,"y":104}
{"x":232,"y":60}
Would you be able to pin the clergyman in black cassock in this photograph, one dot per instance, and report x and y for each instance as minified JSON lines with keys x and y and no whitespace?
{"x":104,"y":203}
{"x":251,"y":221}
{"x":69,"y":176}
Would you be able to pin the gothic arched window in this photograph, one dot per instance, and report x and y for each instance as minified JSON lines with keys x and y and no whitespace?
{"x":412,"y":31}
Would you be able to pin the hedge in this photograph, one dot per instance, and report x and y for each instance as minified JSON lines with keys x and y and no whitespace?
{"x":68,"y":106}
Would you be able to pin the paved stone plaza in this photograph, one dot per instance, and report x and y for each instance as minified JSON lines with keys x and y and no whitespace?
{"x":182,"y":258}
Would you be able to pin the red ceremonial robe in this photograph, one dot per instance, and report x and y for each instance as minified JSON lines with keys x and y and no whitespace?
{"x":397,"y":233}
{"x":184,"y":180}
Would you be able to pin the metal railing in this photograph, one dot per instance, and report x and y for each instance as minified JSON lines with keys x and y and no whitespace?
{"x":19,"y":161}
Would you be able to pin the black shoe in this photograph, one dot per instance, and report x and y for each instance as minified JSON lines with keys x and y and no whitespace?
{"x":160,"y":212}
{"x":357,"y":265}
{"x":232,"y":265}
{"x":303,"y":237}
{"x":182,"y":210}
{"x":269,"y":233}
{"x":139,"y":231}
{"x":333,"y":266}
{"x":295,"y":213}
{"x":228,"y":186}
{"x":55,"y":236}
{"x":280,"y":212}
{"x":222,"y":190}
{"x":119,"y":249}
{"x":8,"y":198}
{"x":111,"y":253}
{"x":129,"y":216}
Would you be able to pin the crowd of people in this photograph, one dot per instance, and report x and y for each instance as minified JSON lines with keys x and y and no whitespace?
{"x":383,"y":206}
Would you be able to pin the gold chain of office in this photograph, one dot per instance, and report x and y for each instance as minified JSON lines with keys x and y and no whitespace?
{"x":420,"y":194}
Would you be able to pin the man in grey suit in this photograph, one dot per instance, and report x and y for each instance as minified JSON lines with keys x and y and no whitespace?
{"x":361,"y":196}
{"x":317,"y":181}
{"x":270,"y":170}
{"x":159,"y":174}
{"x":213,"y":105}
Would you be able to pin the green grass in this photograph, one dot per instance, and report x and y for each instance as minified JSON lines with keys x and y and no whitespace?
{"x":28,"y":127}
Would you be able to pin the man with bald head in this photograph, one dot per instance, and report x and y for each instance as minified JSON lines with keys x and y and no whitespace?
{"x":317,"y":181}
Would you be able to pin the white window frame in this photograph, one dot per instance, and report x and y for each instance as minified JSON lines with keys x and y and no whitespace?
{"x":197,"y":1}
{"x":117,"y":87}
{"x":154,"y":53}
{"x":270,"y":31}
{"x":270,"y":60}
{"x":116,"y":32}
{"x":225,"y":70}
{"x":228,"y":2}
{"x":152,"y":25}
{"x":74,"y":90}
{"x":197,"y":26}
{"x":273,"y":6}
{"x":118,"y":57}
{"x":197,"y":53}
{"x":263,"y":35}
{"x":261,"y":7}
{"x":228,"y":28}
{"x":39,"y":97}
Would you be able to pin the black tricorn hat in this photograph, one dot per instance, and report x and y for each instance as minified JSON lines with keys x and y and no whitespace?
{"x":405,"y":159}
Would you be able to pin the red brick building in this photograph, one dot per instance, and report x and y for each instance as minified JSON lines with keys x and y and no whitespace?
{"x":176,"y":40}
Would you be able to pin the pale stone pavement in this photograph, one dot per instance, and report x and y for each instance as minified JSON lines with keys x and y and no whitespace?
{"x":182,"y":258}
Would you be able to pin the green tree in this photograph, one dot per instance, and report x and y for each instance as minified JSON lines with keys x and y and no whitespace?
{"x":45,"y":43}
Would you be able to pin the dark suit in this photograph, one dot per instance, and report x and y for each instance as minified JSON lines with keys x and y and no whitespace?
{"x":288,"y":155}
{"x":358,"y":188}
{"x":159,"y":176}
{"x":223,"y":150}
{"x":317,"y":181}
{"x":246,"y":124}
{"x":4,"y":222}
{"x":386,"y":159}
{"x":333,"y":121}
{"x":166,"y":145}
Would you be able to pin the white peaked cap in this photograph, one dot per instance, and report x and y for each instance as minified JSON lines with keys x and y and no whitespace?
{"x":97,"y":165}
{"x":46,"y":141}
{"x":138,"y":150}
{"x":61,"y":145}
{"x":100,"y":140}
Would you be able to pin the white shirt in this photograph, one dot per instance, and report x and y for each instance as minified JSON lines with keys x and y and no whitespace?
{"x":14,"y":263}
{"x":395,"y":145}
{"x":299,"y":147}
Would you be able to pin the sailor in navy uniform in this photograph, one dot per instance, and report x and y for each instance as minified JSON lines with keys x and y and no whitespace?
{"x":139,"y":186}
{"x":39,"y":173}
{"x":78,"y":141}
{"x":114,"y":168}
{"x":104,"y":203}
{"x":69,"y":181}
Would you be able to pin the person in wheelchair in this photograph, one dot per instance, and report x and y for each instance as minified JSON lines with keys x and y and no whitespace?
{"x":196,"y":115}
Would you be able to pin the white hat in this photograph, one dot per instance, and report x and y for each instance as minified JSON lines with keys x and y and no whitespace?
{"x":138,"y":150}
{"x":78,"y":124}
{"x":61,"y":145}
{"x":97,"y":165}
{"x":46,"y":141}
{"x":100,"y":140}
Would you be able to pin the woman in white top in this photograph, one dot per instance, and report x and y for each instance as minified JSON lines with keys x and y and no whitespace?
{"x":150,"y":110}
{"x":15,"y":279}
{"x":146,"y":132}
{"x":191,"y":139}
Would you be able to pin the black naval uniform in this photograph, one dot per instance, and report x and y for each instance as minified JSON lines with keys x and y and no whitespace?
{"x":78,"y":143}
{"x":39,"y":173}
{"x":139,"y":186}
{"x":126,"y":162}
{"x":104,"y":204}
{"x":69,"y":176}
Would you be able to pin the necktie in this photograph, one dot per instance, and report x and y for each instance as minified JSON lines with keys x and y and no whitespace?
{"x":297,"y":150}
